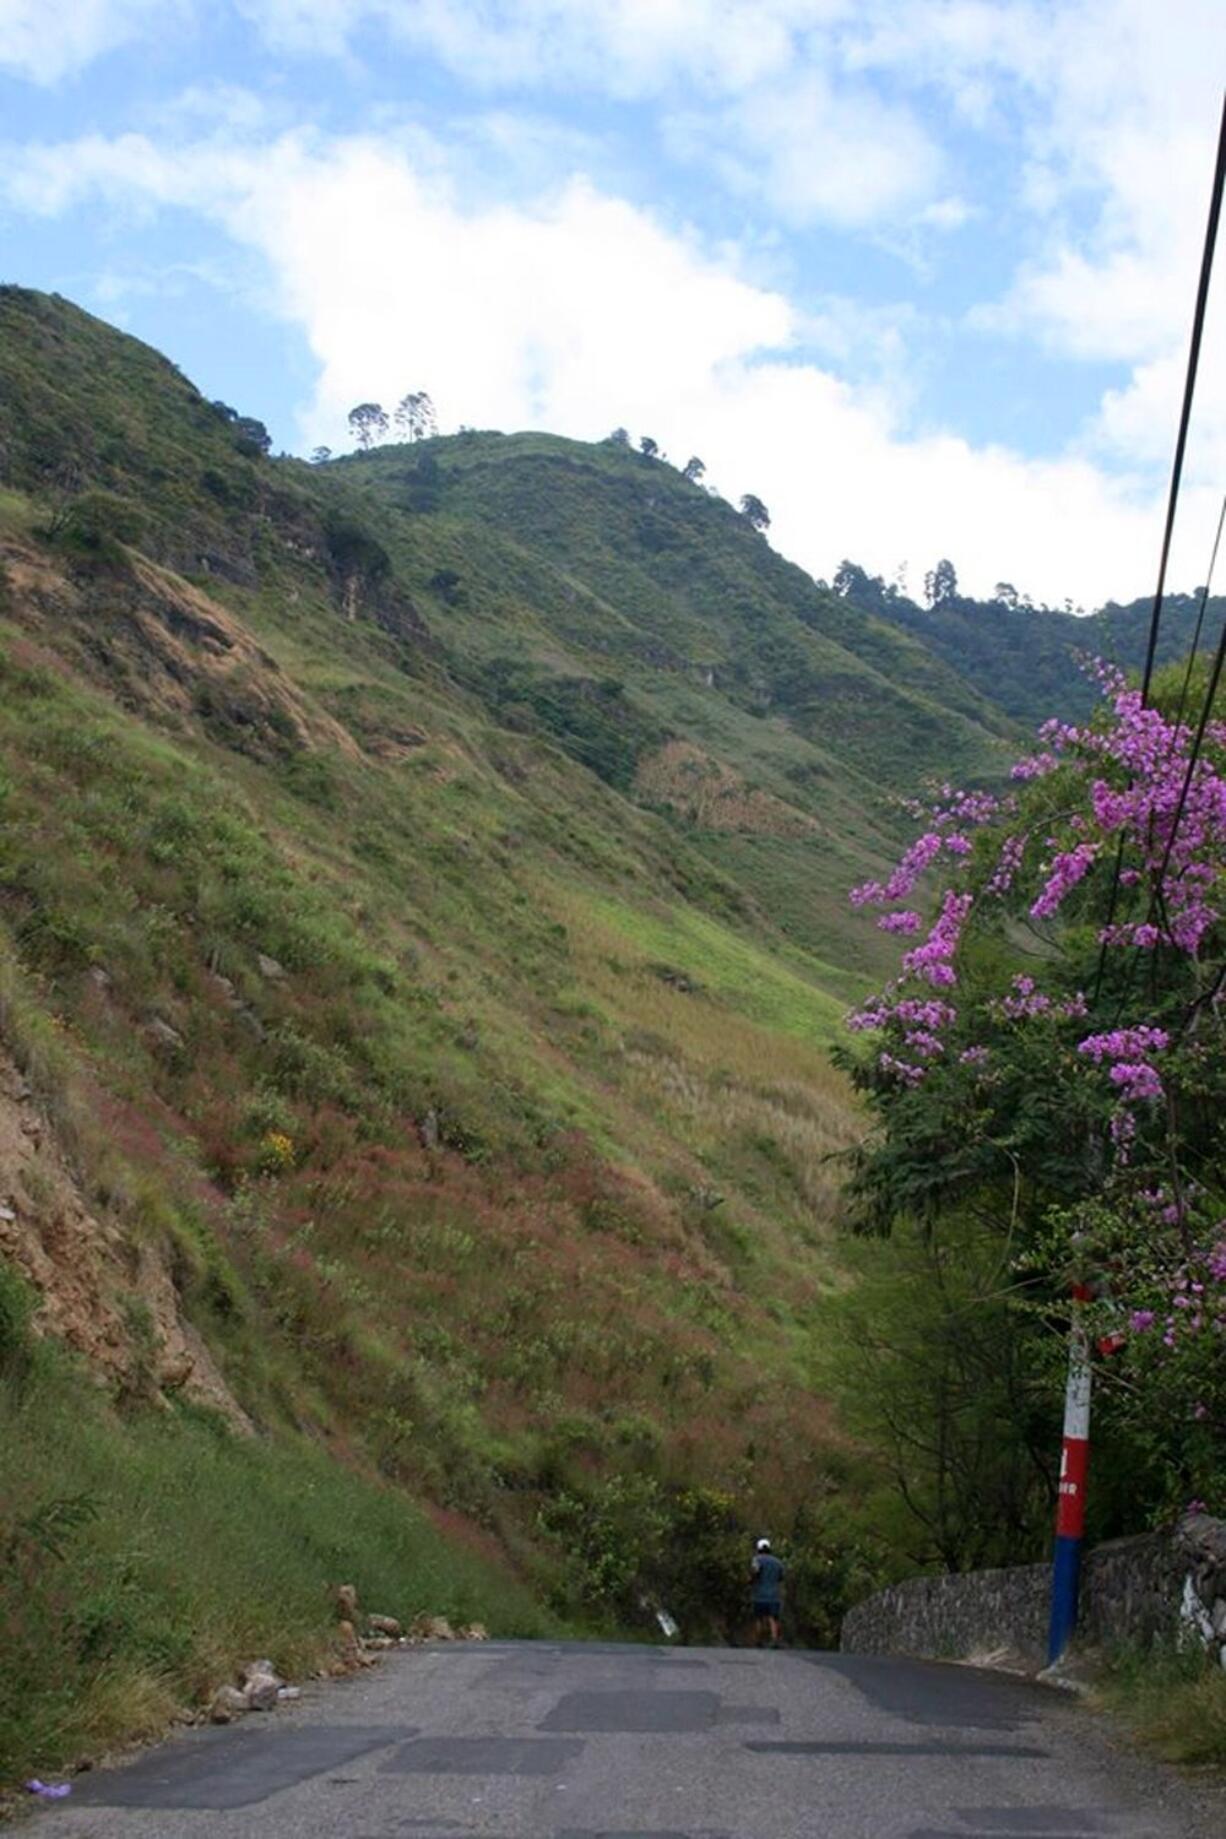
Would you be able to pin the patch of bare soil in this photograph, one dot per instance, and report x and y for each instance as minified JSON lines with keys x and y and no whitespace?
{"x":711,"y":796}
{"x":109,"y":1299}
{"x":168,"y":649}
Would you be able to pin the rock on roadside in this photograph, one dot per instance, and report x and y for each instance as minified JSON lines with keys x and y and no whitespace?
{"x":228,"y":1703}
{"x":259,"y":1688}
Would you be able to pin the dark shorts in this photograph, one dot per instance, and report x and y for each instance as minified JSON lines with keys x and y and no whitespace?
{"x":768,"y":1612}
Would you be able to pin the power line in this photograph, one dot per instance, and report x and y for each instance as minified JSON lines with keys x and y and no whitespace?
{"x":1200,"y":618}
{"x":1185,"y":416}
{"x":1189,"y":390}
{"x":1175,"y":729}
{"x":1215,"y":676}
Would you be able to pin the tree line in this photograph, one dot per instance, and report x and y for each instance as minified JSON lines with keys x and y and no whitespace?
{"x":941,"y":591}
{"x":414,"y":418}
{"x":751,"y":507}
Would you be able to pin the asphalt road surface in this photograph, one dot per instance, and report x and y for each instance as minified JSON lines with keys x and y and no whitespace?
{"x":507,"y":1740}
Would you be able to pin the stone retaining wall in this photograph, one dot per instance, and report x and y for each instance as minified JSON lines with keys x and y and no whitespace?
{"x":1159,"y":1586}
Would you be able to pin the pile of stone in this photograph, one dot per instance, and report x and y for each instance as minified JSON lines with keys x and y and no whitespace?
{"x":385,"y":1631}
{"x":438,"y":1628}
{"x":360,"y":1639}
{"x":260,"y":1688}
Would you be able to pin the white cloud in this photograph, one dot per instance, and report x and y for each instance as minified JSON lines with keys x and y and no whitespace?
{"x":811,"y":152}
{"x":947,"y":213}
{"x":578,"y":312}
{"x":847,"y":112}
{"x":44,"y":46}
{"x":630,"y":48}
{"x":749,"y":88}
{"x":1117,"y":104}
{"x":1097,"y":116}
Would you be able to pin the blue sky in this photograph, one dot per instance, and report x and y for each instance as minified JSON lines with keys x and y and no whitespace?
{"x":917,"y":272}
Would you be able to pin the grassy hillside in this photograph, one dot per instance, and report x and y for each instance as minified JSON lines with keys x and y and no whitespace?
{"x":599,"y":599}
{"x":640,"y":574}
{"x":421,"y":931}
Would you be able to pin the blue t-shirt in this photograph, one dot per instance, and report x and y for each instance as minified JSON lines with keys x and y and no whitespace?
{"x":767,"y":1577}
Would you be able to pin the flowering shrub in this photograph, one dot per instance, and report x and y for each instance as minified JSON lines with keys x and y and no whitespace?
{"x":277,"y":1152}
{"x":1052,"y":1057}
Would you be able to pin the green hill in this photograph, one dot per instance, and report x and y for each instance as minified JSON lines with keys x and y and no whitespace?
{"x":422,"y":925}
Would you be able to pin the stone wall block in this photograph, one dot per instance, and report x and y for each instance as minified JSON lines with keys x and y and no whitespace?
{"x":1153,"y":1587}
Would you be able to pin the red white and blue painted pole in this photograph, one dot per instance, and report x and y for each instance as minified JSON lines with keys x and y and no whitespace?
{"x":1074,"y":1469}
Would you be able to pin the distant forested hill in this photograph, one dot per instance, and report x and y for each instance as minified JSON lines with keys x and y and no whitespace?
{"x":1022,"y":658}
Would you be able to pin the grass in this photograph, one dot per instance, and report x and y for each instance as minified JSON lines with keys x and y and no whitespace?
{"x":148,"y":1555}
{"x":779,"y":995}
{"x":1172,"y":1701}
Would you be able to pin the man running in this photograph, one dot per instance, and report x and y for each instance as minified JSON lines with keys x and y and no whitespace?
{"x":766,"y":1578}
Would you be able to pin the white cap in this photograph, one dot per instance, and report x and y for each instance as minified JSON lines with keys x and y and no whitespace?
{"x":764,"y":1545}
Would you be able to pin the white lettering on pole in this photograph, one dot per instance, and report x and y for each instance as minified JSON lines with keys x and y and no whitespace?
{"x":1077,"y":1401}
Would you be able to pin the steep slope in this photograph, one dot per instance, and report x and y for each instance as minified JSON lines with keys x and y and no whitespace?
{"x":598,"y":597}
{"x":393,"y":963}
{"x":422,"y":925}
{"x":679,"y":586}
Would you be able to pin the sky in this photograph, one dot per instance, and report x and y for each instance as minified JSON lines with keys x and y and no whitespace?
{"x":917,"y":273}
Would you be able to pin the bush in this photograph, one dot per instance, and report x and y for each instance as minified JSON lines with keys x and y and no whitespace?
{"x":16,"y":1308}
{"x":96,"y":525}
{"x":355,"y":553}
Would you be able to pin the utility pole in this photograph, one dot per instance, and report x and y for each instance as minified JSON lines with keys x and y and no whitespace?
{"x":1074,"y":1468}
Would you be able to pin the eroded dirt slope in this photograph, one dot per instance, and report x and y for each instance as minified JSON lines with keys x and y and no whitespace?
{"x":110,"y":1299}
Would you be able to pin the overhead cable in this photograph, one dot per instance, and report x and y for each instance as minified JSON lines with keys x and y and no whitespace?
{"x":1189,"y":390}
{"x":1185,"y":416}
{"x":1200,"y":619}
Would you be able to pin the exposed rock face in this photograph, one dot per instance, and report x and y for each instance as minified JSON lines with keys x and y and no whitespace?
{"x":161,"y":1034}
{"x":110,"y":1300}
{"x":174,"y":651}
{"x":710,"y":795}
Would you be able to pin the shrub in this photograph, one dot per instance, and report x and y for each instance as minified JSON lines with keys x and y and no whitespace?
{"x":16,"y":1309}
{"x":96,"y":525}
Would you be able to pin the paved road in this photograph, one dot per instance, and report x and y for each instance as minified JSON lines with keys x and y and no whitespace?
{"x":584,"y":1742}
